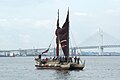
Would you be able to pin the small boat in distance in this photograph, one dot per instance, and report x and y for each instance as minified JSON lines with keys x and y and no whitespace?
{"x":62,"y":63}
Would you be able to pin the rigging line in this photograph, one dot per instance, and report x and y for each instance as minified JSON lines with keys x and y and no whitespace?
{"x":110,"y":38}
{"x":49,"y":46}
{"x":75,"y":42}
{"x":51,"y":41}
{"x":89,"y":39}
{"x":71,"y":48}
{"x":73,"y":39}
{"x":76,"y":45}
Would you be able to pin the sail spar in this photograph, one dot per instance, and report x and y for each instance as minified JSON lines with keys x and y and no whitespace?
{"x":63,"y":36}
{"x":57,"y":36}
{"x":46,"y":49}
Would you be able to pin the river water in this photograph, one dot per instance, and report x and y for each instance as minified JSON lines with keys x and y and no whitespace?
{"x":97,"y":68}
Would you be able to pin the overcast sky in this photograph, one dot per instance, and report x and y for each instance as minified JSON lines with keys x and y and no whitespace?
{"x":31,"y":23}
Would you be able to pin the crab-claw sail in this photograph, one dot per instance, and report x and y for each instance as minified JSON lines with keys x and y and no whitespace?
{"x":63,"y":35}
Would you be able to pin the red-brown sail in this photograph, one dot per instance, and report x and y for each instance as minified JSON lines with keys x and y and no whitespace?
{"x":63,"y":35}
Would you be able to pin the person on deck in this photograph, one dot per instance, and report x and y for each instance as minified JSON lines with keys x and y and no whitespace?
{"x":53,"y":58}
{"x":75,"y":59}
{"x":61,"y":60}
{"x":39,"y":57}
{"x":66,"y":59}
{"x":70,"y":59}
{"x":78,"y":59}
{"x":46,"y":59}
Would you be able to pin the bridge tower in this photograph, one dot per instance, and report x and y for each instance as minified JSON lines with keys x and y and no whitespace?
{"x":100,"y":42}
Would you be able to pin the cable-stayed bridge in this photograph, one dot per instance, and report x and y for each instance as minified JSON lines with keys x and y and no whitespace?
{"x":99,"y":41}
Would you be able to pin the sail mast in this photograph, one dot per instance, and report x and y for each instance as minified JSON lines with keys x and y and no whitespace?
{"x":57,"y":38}
{"x":67,"y":20}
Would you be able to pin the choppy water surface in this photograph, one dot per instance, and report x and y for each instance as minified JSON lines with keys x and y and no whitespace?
{"x":97,"y":68}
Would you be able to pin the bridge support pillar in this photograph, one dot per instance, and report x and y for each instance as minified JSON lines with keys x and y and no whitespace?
{"x":73,"y":51}
{"x":100,"y":50}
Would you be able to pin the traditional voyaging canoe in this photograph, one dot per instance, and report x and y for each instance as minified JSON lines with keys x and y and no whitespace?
{"x":66,"y":62}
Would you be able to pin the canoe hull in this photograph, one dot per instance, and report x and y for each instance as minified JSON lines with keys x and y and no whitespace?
{"x":66,"y":66}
